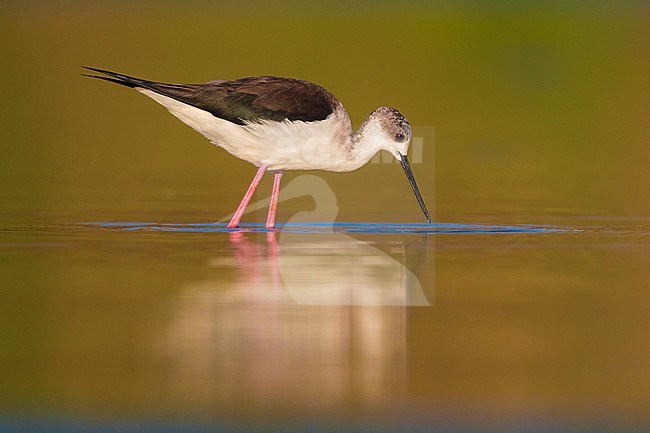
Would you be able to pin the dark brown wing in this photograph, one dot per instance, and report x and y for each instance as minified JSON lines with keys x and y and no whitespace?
{"x":246,"y":99}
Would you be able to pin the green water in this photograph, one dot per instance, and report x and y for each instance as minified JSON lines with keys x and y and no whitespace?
{"x":527,"y":114}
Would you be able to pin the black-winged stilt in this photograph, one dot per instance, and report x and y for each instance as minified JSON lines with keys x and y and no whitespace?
{"x":280,"y":124}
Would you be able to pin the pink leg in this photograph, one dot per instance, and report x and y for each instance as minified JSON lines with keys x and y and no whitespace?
{"x":239,"y":213}
{"x":273,"y":207}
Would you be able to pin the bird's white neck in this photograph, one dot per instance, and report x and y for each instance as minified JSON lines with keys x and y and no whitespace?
{"x":365,"y":142}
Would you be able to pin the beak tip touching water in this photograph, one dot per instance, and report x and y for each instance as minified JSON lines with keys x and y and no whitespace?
{"x":409,"y":174}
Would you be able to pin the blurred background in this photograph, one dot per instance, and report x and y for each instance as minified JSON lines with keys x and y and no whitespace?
{"x":530,"y":103}
{"x":530,"y":113}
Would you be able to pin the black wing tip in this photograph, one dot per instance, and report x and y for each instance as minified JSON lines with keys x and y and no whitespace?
{"x":113,"y":77}
{"x":101,"y":71}
{"x":132,"y":82}
{"x":111,"y":80}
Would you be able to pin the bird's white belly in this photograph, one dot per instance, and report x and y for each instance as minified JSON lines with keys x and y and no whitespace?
{"x":279,"y":145}
{"x":297,"y":145}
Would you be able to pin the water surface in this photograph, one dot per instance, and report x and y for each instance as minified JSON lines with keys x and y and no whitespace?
{"x":133,"y":321}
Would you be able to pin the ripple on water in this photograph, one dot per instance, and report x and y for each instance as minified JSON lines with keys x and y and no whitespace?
{"x":328,"y":227}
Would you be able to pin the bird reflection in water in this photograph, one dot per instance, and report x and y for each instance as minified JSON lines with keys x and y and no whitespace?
{"x":309,"y":321}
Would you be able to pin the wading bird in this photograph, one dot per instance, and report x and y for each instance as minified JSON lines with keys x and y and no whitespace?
{"x":279,"y":124}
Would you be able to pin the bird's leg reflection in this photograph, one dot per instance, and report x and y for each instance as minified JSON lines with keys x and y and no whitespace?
{"x":272,"y":240}
{"x":315,"y":322}
{"x":246,"y":250}
{"x":257,"y":263}
{"x":273,"y":254}
{"x":236,"y":237}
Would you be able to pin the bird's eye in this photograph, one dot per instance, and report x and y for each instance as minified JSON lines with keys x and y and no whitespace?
{"x":400,"y":137}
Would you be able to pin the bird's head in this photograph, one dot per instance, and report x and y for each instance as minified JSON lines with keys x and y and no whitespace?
{"x":389,"y":130}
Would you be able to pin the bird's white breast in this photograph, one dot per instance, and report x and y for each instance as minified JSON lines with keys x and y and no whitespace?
{"x":291,"y":145}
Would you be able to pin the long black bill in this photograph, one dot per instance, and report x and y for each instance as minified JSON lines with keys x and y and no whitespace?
{"x":409,"y":174}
